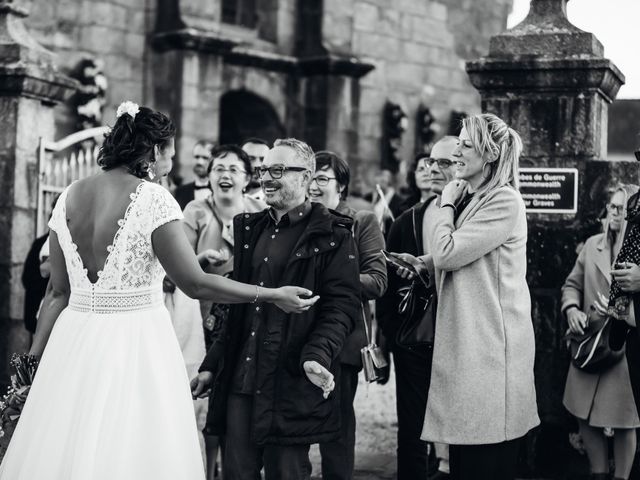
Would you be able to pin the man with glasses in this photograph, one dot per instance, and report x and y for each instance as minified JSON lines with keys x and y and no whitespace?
{"x":410,"y":234}
{"x":276,"y":375}
{"x":330,"y":186}
{"x":199,"y":189}
{"x":256,"y":149}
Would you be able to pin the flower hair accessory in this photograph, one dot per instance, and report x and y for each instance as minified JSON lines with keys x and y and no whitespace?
{"x":128,"y":107}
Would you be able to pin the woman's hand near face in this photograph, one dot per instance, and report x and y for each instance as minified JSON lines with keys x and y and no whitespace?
{"x":452,"y":192}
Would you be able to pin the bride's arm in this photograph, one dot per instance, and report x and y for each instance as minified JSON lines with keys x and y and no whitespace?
{"x":55,"y":300}
{"x":179,"y":261}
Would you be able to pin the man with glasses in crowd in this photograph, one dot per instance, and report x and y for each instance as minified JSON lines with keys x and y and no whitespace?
{"x":276,"y":375}
{"x":410,"y":233}
{"x":256,"y":149}
{"x":199,"y":189}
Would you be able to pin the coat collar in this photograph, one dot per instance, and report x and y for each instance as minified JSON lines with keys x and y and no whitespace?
{"x":602,"y":256}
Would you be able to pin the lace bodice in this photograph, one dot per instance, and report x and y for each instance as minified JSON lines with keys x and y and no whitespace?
{"x":131,"y":264}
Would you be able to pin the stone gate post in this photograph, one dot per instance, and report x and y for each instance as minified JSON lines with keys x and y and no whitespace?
{"x":30,"y":86}
{"x":550,"y":81}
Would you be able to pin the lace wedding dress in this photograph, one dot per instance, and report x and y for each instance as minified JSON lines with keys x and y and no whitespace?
{"x":111,"y":400}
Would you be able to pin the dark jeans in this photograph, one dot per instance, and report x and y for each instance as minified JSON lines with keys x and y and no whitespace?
{"x":413,"y":375}
{"x":243,"y":459}
{"x":338,"y":456}
{"x":497,"y":461}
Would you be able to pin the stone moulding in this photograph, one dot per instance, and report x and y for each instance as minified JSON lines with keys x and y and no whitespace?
{"x":234,"y":53}
{"x":32,"y":82}
{"x":544,"y":74}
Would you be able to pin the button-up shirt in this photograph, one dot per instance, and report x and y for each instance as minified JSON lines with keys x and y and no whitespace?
{"x":273,"y":250}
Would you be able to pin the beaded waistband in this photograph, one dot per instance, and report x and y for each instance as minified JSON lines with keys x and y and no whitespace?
{"x":115,"y":301}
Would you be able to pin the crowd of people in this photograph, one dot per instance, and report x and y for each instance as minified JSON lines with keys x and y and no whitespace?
{"x":276,"y":281}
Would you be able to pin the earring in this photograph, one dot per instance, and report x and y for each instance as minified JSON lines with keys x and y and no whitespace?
{"x":151,"y":170}
{"x":484,"y":165}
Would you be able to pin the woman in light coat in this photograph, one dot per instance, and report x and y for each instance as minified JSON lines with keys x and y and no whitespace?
{"x":482,"y":398}
{"x":600,"y":400}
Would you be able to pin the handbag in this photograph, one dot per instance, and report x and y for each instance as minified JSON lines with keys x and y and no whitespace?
{"x":373,"y":359}
{"x":417,"y":310}
{"x":592,"y":351}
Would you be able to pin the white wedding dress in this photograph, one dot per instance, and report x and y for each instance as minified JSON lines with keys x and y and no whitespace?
{"x":111,"y":399}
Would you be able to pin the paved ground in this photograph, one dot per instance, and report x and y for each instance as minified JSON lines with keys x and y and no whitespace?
{"x":375,"y":407}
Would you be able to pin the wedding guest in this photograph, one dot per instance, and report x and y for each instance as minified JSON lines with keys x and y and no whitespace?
{"x":330,"y":186}
{"x":34,"y":281}
{"x":199,"y":188}
{"x":600,"y":400}
{"x":209,"y":227}
{"x":256,"y":149}
{"x":410,"y":233}
{"x":482,"y":398}
{"x":387,"y":202}
{"x":271,"y":410}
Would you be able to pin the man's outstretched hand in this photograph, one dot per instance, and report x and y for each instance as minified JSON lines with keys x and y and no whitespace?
{"x":319,"y":376}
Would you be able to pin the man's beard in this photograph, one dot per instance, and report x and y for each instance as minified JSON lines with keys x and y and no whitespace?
{"x":282,"y":198}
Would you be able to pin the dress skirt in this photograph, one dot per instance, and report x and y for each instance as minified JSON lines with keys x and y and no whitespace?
{"x":110,"y":400}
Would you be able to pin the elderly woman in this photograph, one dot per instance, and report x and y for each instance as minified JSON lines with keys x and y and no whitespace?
{"x":330,"y":186}
{"x":209,"y":227}
{"x":482,"y":396}
{"x":600,"y":400}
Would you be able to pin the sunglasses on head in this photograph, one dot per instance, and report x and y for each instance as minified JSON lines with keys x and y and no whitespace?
{"x":637,"y":154}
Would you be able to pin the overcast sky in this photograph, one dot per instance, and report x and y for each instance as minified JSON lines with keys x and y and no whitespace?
{"x":614,"y":23}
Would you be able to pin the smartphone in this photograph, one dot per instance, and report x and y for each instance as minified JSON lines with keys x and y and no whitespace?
{"x":398,"y":262}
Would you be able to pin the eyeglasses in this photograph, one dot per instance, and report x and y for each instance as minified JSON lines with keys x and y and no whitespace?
{"x":232,"y":170}
{"x":613,"y":208}
{"x":322,"y":180}
{"x":637,"y":154}
{"x":276,"y":171}
{"x":429,"y":162}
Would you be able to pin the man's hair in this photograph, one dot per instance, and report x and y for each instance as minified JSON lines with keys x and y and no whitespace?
{"x":256,"y":140}
{"x":304,"y":153}
{"x":208,"y":144}
{"x":222,"y":151}
{"x":328,"y":159}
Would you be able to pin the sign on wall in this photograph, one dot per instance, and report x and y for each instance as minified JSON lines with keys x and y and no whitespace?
{"x":549,"y":190}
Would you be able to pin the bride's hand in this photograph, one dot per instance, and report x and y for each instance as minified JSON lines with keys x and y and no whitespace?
{"x":294,"y":299}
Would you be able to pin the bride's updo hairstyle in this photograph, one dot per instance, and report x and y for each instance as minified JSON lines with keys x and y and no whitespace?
{"x":131,"y":140}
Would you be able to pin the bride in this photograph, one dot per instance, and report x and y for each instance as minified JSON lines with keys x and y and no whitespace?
{"x":111,"y":396}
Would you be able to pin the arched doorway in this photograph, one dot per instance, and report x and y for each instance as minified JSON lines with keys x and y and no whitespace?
{"x":244,"y":114}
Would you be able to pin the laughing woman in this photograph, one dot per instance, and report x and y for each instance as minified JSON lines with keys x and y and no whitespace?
{"x":208,"y":224}
{"x":482,"y":398}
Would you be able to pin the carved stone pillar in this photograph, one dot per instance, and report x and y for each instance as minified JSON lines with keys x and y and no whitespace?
{"x":30,"y":86}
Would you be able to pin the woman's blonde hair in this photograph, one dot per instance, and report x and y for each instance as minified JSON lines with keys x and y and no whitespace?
{"x":499,"y":145}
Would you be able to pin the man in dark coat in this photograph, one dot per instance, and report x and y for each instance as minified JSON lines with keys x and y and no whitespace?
{"x":272,"y":373}
{"x":35,"y":285}
{"x":408,"y":234}
{"x":199,"y":189}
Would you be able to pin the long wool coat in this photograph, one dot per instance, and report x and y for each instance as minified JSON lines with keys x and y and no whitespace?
{"x":482,"y":386}
{"x":603,"y":399}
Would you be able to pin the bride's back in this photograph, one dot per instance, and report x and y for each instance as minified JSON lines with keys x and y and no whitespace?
{"x":94,"y":206}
